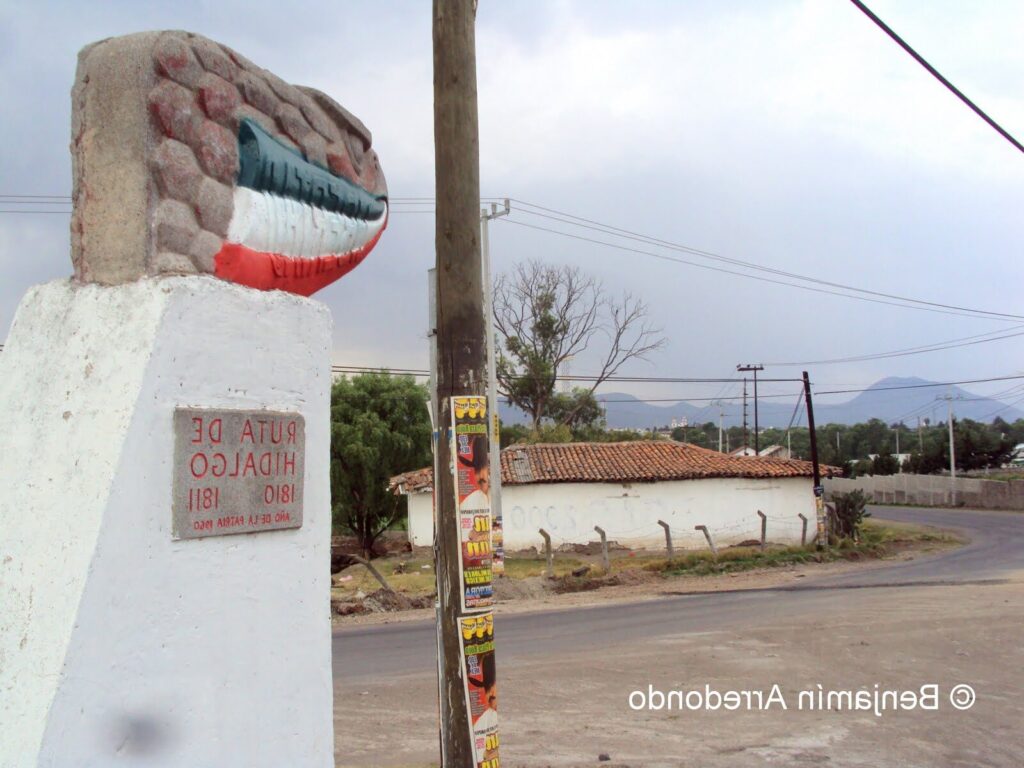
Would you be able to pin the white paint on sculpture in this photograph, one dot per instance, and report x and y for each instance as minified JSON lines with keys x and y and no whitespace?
{"x":274,"y":224}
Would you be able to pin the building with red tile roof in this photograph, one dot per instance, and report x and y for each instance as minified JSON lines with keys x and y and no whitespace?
{"x":639,"y":461}
{"x":627,"y":487}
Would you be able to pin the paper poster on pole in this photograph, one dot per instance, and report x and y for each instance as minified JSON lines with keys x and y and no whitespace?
{"x":498,"y":544}
{"x":472,"y":497}
{"x":497,"y":528}
{"x":481,"y":687}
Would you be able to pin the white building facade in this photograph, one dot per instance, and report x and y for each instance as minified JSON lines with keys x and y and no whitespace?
{"x":568,"y":492}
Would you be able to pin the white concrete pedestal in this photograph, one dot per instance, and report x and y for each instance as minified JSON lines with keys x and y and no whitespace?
{"x":119,"y":644}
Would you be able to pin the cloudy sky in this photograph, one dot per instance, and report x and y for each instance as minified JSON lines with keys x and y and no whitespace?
{"x":792,"y":135}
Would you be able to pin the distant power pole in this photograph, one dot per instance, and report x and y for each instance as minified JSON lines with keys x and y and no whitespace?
{"x":746,"y":439}
{"x":757,"y":436}
{"x":898,"y":460}
{"x":952,"y":445}
{"x":721,"y":415}
{"x":952,"y":450}
{"x":497,"y":524}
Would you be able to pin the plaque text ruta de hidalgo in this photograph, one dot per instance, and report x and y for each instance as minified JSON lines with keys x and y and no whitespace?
{"x":237,"y":471}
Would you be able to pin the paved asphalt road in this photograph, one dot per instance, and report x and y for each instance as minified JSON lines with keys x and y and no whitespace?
{"x":996,"y":550}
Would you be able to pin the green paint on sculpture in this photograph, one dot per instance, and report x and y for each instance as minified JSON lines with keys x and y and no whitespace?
{"x":268,"y":165}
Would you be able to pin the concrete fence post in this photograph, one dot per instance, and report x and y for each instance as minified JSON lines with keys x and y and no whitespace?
{"x":668,"y":538}
{"x":547,"y":551}
{"x":803,"y":530}
{"x":604,"y":549}
{"x":707,"y":535}
{"x":764,"y":528}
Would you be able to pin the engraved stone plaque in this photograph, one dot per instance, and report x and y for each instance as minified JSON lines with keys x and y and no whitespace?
{"x":237,"y":471}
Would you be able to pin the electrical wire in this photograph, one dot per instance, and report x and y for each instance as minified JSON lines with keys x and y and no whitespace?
{"x":796,"y":410}
{"x":965,"y":341}
{"x":978,"y":315}
{"x":340,"y":368}
{"x":535,"y":209}
{"x":1000,"y":410}
{"x":585,"y":223}
{"x":937,"y":75}
{"x":920,"y":386}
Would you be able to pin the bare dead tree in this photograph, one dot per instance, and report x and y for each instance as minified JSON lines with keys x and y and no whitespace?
{"x":546,"y":315}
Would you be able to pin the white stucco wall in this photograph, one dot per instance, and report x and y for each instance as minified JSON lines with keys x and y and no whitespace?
{"x":630,"y":513}
{"x":118,"y":643}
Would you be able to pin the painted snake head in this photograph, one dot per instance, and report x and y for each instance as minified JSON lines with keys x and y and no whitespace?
{"x":188,"y":158}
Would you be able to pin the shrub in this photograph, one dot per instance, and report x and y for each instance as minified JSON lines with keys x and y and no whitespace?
{"x":849,"y":514}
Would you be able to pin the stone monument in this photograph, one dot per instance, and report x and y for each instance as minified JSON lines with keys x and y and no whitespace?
{"x":165,"y":518}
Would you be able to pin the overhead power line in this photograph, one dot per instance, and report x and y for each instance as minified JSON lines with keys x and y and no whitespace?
{"x":990,"y":414}
{"x":339,"y":368}
{"x":937,"y":75}
{"x":683,"y":398}
{"x":630,"y":235}
{"x":919,"y":386}
{"x":796,"y":410}
{"x":400,"y":205}
{"x":665,"y":257}
{"x":680,"y":399}
{"x":966,"y":341}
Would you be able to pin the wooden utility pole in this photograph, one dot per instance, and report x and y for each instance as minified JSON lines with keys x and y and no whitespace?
{"x":952,"y":447}
{"x":819,"y":492}
{"x":461,"y":340}
{"x":757,"y":426}
{"x":745,"y":412}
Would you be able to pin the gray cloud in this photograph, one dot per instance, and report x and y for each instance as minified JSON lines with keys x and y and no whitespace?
{"x":791,"y":134}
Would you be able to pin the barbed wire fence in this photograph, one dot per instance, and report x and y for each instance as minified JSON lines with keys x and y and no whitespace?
{"x":788,"y":530}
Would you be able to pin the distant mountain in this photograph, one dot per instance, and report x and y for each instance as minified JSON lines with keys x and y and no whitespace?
{"x":882,"y":401}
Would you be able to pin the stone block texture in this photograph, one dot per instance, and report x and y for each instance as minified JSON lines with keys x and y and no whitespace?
{"x":155,"y":119}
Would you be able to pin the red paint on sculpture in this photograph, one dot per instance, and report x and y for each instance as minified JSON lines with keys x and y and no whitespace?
{"x":269,"y":271}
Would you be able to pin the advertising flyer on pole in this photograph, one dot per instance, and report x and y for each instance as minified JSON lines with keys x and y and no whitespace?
{"x":481,"y":687}
{"x":472,"y":490}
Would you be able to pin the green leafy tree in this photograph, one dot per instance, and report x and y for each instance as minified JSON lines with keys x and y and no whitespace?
{"x":980,"y":445}
{"x":517,"y":434}
{"x":577,"y":410}
{"x":545,"y":316}
{"x":884,"y":464}
{"x":380,"y":427}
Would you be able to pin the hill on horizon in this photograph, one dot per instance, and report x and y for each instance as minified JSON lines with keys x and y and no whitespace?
{"x":882,"y":400}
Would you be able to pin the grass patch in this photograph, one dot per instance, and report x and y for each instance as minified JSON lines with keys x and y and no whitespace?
{"x":877,"y":540}
{"x":415,"y":581}
{"x":733,"y":560}
{"x":527,"y":566}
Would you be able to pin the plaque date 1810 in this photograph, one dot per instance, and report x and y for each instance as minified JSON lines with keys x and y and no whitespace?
{"x":237,"y":471}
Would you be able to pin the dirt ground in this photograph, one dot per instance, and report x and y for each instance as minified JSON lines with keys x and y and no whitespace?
{"x":896,"y":637}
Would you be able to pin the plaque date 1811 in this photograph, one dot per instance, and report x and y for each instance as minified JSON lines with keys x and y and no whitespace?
{"x":237,"y":471}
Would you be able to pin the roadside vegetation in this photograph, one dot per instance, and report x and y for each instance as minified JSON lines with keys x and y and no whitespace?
{"x":876,"y":541}
{"x":411,"y":574}
{"x":979,"y":446}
